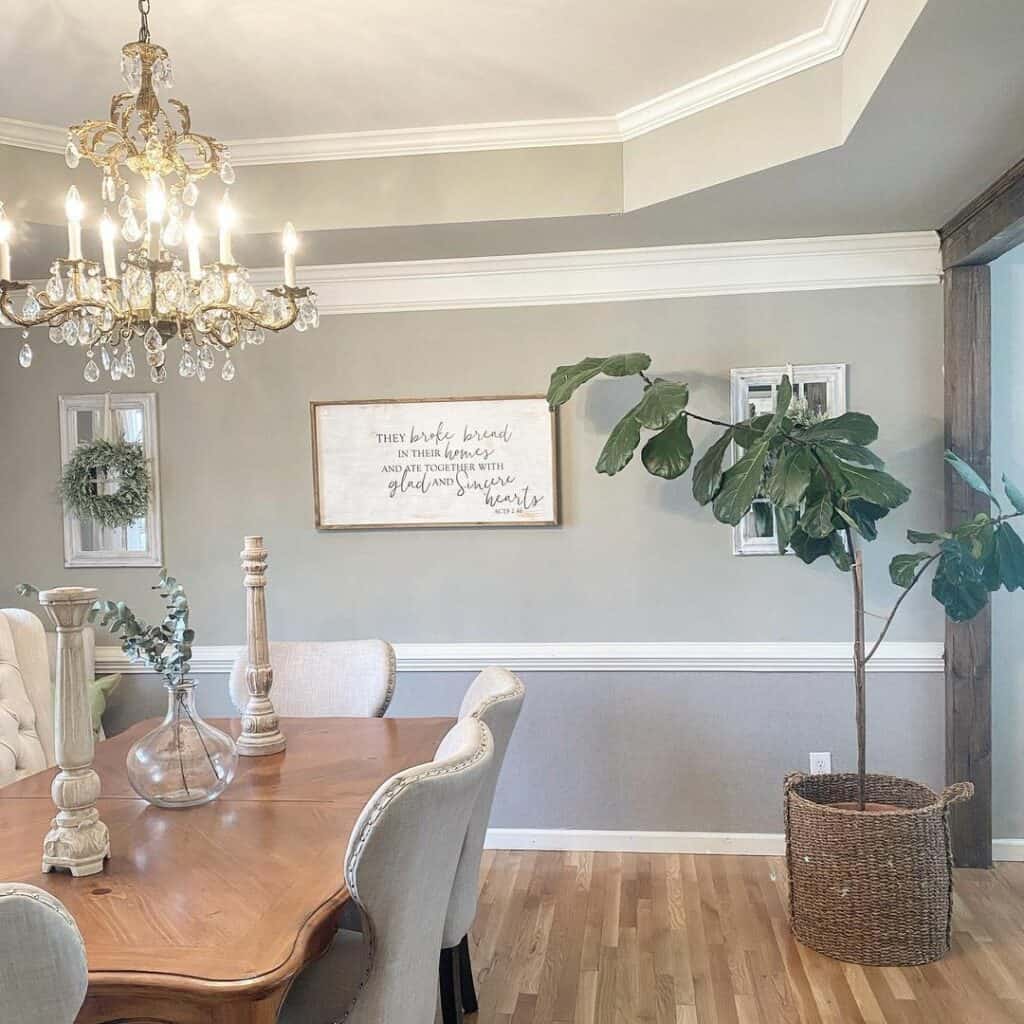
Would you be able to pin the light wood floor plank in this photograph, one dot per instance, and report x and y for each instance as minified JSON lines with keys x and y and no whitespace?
{"x":606,"y":938}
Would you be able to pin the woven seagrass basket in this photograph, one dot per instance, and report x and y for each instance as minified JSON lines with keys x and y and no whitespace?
{"x":870,"y":888}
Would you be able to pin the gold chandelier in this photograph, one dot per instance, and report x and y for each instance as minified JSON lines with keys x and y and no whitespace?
{"x":156,"y":292}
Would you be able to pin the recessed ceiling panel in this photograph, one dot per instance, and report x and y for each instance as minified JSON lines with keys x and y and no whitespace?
{"x":259,"y":68}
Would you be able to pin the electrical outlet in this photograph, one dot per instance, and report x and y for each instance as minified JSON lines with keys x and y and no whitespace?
{"x":821,"y":763}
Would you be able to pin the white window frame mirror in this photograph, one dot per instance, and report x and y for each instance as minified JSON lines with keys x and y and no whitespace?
{"x":87,"y":544}
{"x":753,"y":389}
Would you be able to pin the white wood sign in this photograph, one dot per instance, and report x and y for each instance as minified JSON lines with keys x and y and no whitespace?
{"x":434,"y":462}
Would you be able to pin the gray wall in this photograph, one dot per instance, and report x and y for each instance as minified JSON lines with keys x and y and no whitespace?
{"x":634,"y":560}
{"x":1008,"y":609}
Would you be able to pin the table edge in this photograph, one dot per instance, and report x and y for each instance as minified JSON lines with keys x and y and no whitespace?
{"x":310,"y":941}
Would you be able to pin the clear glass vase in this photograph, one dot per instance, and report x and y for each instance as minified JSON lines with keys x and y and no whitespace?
{"x":184,"y":761}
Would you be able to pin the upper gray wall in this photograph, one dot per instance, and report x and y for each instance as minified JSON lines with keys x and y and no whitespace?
{"x":636,"y":559}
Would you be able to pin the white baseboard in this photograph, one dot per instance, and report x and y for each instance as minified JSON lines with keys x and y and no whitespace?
{"x":1008,"y":849}
{"x":763,"y":844}
{"x":627,"y":656}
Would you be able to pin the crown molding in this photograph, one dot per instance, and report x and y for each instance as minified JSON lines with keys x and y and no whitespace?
{"x":601,"y":657}
{"x":619,"y":275}
{"x":44,"y":138}
{"x":789,"y":58}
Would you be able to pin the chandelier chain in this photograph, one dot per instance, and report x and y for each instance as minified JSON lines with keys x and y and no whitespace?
{"x":144,"y":27}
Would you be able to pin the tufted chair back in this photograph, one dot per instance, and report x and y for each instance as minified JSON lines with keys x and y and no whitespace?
{"x":341,"y":678}
{"x":26,"y":693}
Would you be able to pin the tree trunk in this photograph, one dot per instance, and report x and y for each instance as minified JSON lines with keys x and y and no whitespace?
{"x":859,"y":671}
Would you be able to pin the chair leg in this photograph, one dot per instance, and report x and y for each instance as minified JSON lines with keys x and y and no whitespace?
{"x":451,"y":1008}
{"x":468,"y":989}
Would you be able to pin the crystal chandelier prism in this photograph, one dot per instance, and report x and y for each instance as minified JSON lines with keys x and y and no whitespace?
{"x":161,"y":292}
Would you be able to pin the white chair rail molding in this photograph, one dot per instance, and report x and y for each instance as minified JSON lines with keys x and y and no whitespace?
{"x":568,"y":565}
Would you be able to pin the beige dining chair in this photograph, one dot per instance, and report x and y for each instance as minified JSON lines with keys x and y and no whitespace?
{"x":495,"y":698}
{"x":43,"y":972}
{"x":399,"y":868}
{"x":344,"y":679}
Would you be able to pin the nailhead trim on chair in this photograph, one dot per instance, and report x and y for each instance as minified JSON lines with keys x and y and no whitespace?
{"x":397,"y":788}
{"x":51,"y":903}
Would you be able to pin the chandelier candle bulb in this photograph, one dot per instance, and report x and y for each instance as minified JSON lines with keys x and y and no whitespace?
{"x":74,"y":209}
{"x":226,"y":216}
{"x":107,"y":232}
{"x":195,"y":267}
{"x":289,"y":244}
{"x":5,"y":246}
{"x":155,"y":203}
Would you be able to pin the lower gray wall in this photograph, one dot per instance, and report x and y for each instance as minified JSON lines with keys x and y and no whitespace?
{"x":659,"y":751}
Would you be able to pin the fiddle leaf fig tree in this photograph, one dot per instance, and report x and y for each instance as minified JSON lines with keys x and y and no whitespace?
{"x":827,"y":490}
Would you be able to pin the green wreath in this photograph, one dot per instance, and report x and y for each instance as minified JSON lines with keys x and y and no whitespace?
{"x":121,"y":459}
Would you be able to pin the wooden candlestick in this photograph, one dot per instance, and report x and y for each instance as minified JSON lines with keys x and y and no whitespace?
{"x":260,"y":731}
{"x":77,"y":841}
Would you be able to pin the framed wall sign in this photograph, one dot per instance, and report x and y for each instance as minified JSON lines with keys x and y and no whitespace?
{"x":820,"y":391}
{"x":87,"y":544}
{"x":434,"y":462}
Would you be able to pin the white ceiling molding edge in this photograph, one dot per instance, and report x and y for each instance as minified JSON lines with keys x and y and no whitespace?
{"x":789,"y":58}
{"x":620,"y":275}
{"x":601,"y":657}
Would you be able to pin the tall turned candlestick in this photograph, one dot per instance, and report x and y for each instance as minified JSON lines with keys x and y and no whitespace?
{"x":77,"y":841}
{"x":260,"y":731}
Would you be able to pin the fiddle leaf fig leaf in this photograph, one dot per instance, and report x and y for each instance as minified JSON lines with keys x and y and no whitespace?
{"x":707,"y":474}
{"x":1014,"y":493}
{"x":668,"y":453}
{"x":917,"y":537}
{"x":783,"y":400}
{"x":785,"y":524}
{"x":1010,"y":553}
{"x":855,"y":453}
{"x":958,"y":582}
{"x":903,"y":568}
{"x":838,"y":553}
{"x":740,"y":484}
{"x":790,"y":478}
{"x":874,"y":485}
{"x":626,"y":364}
{"x":27,"y":590}
{"x":817,"y":520}
{"x":854,"y":427}
{"x":970,"y":475}
{"x":750,"y":431}
{"x":662,"y":402}
{"x":618,"y":449}
{"x":566,"y":379}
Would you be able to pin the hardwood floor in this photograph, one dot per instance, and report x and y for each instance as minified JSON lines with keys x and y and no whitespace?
{"x":605,"y":938}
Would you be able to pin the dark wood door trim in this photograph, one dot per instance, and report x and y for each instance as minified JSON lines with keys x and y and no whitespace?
{"x":968,"y":367}
{"x":988,"y":226}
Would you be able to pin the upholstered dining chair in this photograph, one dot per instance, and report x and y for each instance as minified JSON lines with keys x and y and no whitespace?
{"x":43,"y":973}
{"x":399,"y":868}
{"x":494,"y":698}
{"x":345,"y":678}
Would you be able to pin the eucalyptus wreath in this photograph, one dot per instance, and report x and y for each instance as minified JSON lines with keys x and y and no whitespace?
{"x":124,"y":461}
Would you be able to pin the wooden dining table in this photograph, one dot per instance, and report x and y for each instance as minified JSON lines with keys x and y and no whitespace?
{"x":206,"y":915}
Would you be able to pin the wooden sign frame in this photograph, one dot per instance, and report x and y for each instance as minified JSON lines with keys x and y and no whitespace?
{"x":511,"y":521}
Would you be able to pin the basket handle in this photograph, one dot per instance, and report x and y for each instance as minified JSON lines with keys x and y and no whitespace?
{"x":793,"y":779}
{"x":957,"y":792}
